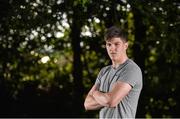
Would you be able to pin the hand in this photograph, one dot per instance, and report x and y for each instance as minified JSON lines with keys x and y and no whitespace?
{"x":101,"y":98}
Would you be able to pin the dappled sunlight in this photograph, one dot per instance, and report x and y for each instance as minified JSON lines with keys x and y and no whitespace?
{"x":45,"y":59}
{"x":59,"y":34}
{"x":52,"y":51}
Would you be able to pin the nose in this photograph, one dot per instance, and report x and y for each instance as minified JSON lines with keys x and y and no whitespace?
{"x":112,"y":48}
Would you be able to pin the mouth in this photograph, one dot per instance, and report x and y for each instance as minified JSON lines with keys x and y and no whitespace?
{"x":113,"y":53}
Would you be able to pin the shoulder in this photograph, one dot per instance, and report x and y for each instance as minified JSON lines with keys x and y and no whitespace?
{"x":132,"y":74}
{"x":130,"y":70}
{"x":134,"y":71}
{"x":104,"y":69}
{"x":132,"y":66}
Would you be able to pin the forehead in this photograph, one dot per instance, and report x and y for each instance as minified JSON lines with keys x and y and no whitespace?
{"x":114,"y":40}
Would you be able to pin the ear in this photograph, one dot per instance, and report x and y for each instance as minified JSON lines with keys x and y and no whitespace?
{"x":126,"y":45}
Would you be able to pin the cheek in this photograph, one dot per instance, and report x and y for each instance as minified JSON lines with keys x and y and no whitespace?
{"x":107,"y":50}
{"x":120,"y":49}
{"x":123,"y":48}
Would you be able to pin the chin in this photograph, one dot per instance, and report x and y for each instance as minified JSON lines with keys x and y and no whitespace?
{"x":113,"y":59}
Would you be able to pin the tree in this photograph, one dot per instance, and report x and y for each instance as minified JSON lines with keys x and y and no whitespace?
{"x":51,"y":52}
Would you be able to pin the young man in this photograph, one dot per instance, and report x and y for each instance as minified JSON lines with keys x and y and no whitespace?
{"x":118,"y":86}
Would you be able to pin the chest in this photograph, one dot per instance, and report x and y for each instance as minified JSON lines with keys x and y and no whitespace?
{"x":108,"y":79}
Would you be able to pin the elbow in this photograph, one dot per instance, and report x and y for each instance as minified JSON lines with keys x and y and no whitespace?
{"x":86,"y":106}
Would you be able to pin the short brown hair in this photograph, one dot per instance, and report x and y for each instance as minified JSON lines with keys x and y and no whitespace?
{"x":113,"y":32}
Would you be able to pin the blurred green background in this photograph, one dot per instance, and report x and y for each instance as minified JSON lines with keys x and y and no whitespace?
{"x":52,"y":50}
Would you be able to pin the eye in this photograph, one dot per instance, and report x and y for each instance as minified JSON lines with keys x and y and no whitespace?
{"x":117,"y":44}
{"x":108,"y":44}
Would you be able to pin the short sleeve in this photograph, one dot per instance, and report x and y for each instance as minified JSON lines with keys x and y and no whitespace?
{"x":131,"y":75}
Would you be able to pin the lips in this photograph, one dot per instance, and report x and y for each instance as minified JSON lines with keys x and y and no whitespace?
{"x":113,"y":53}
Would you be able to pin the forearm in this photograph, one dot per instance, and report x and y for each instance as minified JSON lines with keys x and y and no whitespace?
{"x":102,"y":98}
{"x":91,"y":104}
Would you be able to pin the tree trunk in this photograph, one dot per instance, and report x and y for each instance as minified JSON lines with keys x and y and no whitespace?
{"x":140,"y":34}
{"x":77,"y":63}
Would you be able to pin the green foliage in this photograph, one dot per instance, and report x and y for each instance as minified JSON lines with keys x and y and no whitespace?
{"x":37,"y":74}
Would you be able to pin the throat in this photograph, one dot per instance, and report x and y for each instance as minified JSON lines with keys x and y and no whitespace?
{"x":116,"y":64}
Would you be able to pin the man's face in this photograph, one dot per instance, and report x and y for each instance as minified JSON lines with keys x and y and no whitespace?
{"x":116,"y":48}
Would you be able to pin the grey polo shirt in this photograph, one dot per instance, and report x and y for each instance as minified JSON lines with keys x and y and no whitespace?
{"x":128,"y":72}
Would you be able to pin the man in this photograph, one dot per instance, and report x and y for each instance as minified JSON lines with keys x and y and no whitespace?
{"x":118,"y":86}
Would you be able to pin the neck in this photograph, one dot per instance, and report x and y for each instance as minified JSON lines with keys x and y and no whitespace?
{"x":115,"y":64}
